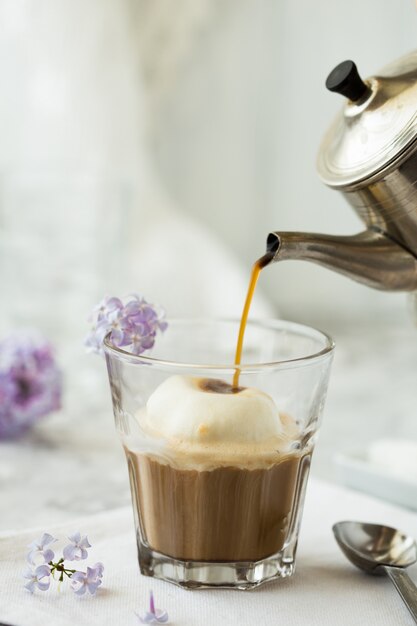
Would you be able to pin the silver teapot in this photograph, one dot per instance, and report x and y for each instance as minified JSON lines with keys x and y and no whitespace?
{"x":369,"y":154}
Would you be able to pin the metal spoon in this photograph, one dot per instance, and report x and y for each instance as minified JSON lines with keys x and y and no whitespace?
{"x":380,"y":549}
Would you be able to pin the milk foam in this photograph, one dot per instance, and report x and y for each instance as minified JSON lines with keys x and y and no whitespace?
{"x":180,"y":408}
{"x":207,"y":429}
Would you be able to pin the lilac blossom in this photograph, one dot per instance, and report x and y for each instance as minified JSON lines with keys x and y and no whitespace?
{"x":54,"y":567}
{"x":90,"y":580}
{"x":105,"y":317}
{"x":40,"y":551}
{"x":37,"y":578}
{"x":77,"y":549}
{"x":30,"y":382}
{"x":132,"y":325}
{"x":153,"y":616}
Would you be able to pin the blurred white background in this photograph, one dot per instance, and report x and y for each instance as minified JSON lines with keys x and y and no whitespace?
{"x":191,"y":128}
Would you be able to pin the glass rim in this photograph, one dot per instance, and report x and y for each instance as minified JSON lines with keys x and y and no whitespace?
{"x":271,"y":324}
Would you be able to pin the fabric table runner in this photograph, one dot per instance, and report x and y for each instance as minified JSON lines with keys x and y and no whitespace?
{"x":325,"y":590}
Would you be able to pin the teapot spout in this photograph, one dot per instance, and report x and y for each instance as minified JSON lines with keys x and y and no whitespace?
{"x":369,"y":257}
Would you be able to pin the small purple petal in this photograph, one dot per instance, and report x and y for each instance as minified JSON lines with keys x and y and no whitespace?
{"x":92,"y":574}
{"x":78,"y":583}
{"x":48,"y":555}
{"x":98,"y":569}
{"x":161,"y":616}
{"x":76,"y":551}
{"x":69,"y":552}
{"x":92,"y":587}
{"x":117,"y":337}
{"x":90,"y":580}
{"x":113,"y":304}
{"x":38,"y":550}
{"x":84,"y":543}
{"x":153,"y":616}
{"x":148,"y":342}
{"x":132,"y":308}
{"x":44,"y":586}
{"x":37,"y":578}
{"x":81,"y":590}
{"x":78,"y":577}
{"x":46,"y":539}
{"x":30,"y":586}
{"x":148,"y":618}
{"x":42,"y":570}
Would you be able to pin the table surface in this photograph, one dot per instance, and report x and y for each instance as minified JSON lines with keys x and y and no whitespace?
{"x":326,"y":590}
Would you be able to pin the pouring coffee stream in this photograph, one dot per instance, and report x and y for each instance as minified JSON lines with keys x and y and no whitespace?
{"x":256,"y":270}
{"x":369,"y":154}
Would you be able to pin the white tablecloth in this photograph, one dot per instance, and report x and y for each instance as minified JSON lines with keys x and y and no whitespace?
{"x":326,"y":589}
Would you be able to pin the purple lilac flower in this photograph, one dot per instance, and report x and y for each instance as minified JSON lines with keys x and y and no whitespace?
{"x":30,"y":382}
{"x":132,"y":325}
{"x":153,"y":616}
{"x":37,"y":578}
{"x":104,"y":317}
{"x":77,"y":550}
{"x":40,"y":551}
{"x":90,"y":580}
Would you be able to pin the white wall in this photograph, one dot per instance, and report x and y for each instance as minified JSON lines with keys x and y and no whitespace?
{"x":234,"y":137}
{"x":237,"y":138}
{"x":81,"y":212}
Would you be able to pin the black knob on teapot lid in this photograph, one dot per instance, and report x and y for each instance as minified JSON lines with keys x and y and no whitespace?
{"x":345,"y":79}
{"x":376,"y":126}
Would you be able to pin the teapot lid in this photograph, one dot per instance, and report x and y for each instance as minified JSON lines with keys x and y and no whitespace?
{"x":377,"y":124}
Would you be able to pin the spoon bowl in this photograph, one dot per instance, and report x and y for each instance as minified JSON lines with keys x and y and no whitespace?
{"x":369,"y":546}
{"x":381,"y":550}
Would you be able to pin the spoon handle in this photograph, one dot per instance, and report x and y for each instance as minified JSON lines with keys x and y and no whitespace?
{"x":405,"y":587}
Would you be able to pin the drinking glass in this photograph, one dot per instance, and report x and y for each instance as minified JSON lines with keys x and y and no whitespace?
{"x":216,"y":514}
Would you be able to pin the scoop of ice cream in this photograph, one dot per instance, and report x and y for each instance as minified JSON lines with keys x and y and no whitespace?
{"x":206,"y":410}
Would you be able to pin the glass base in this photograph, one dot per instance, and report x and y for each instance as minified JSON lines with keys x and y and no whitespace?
{"x":242,"y":575}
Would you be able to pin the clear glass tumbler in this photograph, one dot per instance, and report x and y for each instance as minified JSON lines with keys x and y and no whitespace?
{"x":220,"y":504}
